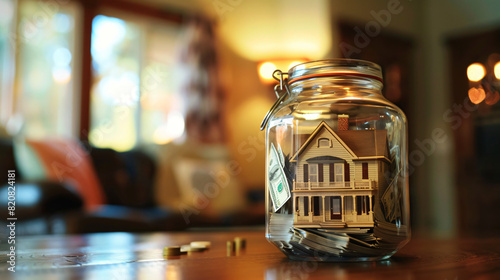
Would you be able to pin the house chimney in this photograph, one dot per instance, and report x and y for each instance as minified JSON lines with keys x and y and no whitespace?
{"x":343,"y":123}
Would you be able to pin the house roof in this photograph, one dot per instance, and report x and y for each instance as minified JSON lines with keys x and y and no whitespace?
{"x":365,"y":143}
{"x":361,"y":144}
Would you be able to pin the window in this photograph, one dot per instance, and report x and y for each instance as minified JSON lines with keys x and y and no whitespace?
{"x":339,"y":172}
{"x":7,"y":49}
{"x":45,"y":68}
{"x":365,"y":170}
{"x":133,"y":100}
{"x":313,"y":173}
{"x":324,"y":143}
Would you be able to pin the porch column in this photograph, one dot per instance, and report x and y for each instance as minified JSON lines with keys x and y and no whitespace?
{"x":342,"y":208}
{"x":324,"y":209}
{"x":355,"y":213}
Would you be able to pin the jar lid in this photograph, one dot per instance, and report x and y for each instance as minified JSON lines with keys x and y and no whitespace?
{"x":335,"y":67}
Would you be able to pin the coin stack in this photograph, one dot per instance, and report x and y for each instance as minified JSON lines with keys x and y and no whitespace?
{"x":171,"y":251}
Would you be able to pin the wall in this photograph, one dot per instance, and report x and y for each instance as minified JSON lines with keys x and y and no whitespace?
{"x":439,"y":19}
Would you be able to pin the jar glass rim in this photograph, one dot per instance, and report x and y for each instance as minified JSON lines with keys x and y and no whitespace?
{"x":335,"y":67}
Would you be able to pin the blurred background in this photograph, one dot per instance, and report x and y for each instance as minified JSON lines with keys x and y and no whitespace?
{"x":126,"y":115}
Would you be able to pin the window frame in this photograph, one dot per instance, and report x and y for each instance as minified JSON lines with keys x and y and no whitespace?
{"x":108,"y":8}
{"x":313,"y":167}
{"x":324,"y":140}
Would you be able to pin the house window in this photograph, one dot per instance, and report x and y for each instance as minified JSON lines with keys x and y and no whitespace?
{"x":324,"y":143}
{"x":339,"y":172}
{"x":365,"y":170}
{"x":313,"y":173}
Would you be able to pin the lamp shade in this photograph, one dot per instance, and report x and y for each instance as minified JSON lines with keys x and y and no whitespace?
{"x":260,"y":30}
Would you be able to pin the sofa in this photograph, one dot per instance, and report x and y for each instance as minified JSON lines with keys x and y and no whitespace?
{"x":64,"y":186}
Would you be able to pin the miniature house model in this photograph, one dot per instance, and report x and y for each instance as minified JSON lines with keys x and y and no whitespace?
{"x":339,"y":175}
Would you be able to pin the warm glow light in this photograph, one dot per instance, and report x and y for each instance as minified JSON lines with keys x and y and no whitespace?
{"x":492,"y":98}
{"x":266,"y":70}
{"x":261,"y":30}
{"x":476,"y":95}
{"x":475,"y":72}
{"x":497,"y":70}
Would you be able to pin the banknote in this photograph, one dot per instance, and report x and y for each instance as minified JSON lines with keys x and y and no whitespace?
{"x":278,"y":184}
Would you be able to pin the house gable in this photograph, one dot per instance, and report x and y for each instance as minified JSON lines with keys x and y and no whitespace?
{"x":337,"y":147}
{"x":348,"y":144}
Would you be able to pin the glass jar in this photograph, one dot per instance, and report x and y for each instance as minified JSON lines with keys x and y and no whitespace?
{"x":336,"y":164}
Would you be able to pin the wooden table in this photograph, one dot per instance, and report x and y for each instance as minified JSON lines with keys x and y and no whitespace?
{"x":139,"y":256}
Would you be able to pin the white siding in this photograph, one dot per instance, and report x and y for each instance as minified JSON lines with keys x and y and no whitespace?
{"x":312,"y":150}
{"x":373,"y":170}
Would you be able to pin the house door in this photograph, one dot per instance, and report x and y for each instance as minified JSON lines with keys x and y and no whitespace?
{"x":336,"y":207}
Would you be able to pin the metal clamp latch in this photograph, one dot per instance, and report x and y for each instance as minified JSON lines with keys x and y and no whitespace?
{"x":280,"y":94}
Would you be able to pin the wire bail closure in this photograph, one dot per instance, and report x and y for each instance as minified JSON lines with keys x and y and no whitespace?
{"x":278,"y":89}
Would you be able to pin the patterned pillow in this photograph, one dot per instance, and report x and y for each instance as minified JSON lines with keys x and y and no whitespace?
{"x":61,"y":160}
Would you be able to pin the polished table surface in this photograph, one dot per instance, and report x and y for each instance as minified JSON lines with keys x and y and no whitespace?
{"x":139,"y":256}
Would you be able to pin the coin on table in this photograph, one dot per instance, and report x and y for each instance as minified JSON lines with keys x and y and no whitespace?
{"x":240,"y":243}
{"x":230,"y":247}
{"x":201,"y":244}
{"x":188,"y":249}
{"x":172,"y":251}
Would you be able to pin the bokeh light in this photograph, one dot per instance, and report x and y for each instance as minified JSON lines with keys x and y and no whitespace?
{"x":266,"y":71}
{"x":496,"y":69}
{"x":475,"y":72}
{"x":476,"y":95}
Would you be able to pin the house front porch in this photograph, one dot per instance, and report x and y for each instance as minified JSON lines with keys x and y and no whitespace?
{"x":333,"y":211}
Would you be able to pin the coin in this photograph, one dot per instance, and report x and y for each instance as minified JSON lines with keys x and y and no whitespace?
{"x":201,"y":244}
{"x":172,"y":251}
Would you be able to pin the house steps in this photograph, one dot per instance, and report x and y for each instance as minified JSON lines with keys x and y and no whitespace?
{"x":333,"y":224}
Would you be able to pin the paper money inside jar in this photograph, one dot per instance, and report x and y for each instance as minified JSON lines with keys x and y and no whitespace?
{"x":336,"y":164}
